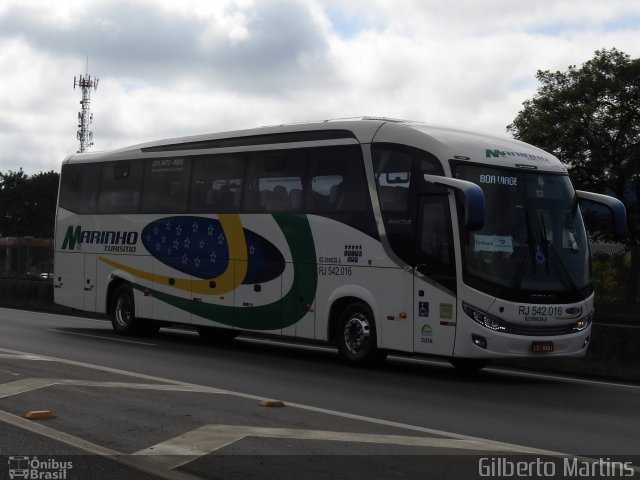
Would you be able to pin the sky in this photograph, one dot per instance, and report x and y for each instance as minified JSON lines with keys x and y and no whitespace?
{"x":171,"y":68}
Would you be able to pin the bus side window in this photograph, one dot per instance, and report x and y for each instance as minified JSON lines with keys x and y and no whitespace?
{"x":276,"y":179}
{"x":399,"y":173}
{"x":120,"y":185}
{"x":166,"y":182}
{"x":337,"y":181}
{"x":79,"y":188}
{"x":393,"y":177}
{"x":216,"y":184}
{"x":393,"y":198}
{"x":323,"y":189}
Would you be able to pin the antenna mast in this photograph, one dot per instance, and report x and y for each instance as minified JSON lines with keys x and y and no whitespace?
{"x":85,"y":117}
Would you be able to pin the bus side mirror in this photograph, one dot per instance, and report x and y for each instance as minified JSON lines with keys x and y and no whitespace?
{"x":472,"y":195}
{"x":615,"y":206}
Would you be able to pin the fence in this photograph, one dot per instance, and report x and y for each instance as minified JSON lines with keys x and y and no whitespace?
{"x":26,"y":257}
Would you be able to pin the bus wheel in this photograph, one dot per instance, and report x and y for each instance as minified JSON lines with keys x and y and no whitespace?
{"x":217,"y":335}
{"x":356,"y":336}
{"x":123,"y":314}
{"x":469,"y":364}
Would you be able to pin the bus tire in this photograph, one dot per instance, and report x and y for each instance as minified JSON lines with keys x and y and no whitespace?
{"x":356,"y":336}
{"x":123,"y":314}
{"x":469,"y":364}
{"x":217,"y":335}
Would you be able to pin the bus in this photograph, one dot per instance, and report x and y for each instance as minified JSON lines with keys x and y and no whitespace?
{"x":371,"y":234}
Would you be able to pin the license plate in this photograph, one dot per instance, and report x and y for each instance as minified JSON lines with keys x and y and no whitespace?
{"x":542,"y":347}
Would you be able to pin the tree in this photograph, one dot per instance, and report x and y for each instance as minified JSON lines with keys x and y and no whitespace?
{"x":43,"y":196}
{"x":589,"y":117}
{"x":28,"y":204}
{"x":12,"y":202}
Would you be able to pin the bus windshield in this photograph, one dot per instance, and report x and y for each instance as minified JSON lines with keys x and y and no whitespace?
{"x":533,"y":245}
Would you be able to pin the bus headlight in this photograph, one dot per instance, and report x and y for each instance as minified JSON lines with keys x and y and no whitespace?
{"x":583,"y":323}
{"x":485,"y":320}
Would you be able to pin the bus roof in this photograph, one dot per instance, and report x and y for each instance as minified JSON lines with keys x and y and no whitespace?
{"x":446,"y":143}
{"x":451,"y":143}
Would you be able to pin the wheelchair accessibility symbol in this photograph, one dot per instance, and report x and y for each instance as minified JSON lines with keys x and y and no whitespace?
{"x":423,"y":309}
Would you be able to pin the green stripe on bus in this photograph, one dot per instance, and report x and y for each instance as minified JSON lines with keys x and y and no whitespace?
{"x":280,"y":314}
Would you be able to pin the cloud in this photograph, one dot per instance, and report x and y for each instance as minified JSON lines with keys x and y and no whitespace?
{"x":171,"y":68}
{"x":267,"y":47}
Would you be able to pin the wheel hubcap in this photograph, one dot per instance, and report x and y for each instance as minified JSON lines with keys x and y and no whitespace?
{"x":123,"y":310}
{"x":356,"y":333}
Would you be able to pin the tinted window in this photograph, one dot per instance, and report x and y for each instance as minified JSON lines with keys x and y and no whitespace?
{"x":166,"y":183}
{"x":393,"y":176}
{"x":399,"y":172}
{"x":337,"y":181}
{"x":120,"y":185}
{"x":79,"y":188}
{"x":216,"y":184}
{"x":327,"y":181}
{"x":275,"y":181}
{"x":434,"y":254}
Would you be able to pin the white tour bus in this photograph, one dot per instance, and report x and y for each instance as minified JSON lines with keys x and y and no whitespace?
{"x":376,"y":235}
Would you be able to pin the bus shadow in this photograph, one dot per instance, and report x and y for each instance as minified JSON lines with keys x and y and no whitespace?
{"x":289,"y":354}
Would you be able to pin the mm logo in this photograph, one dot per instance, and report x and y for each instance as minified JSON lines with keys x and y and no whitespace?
{"x":75,"y":237}
{"x":497,"y":153}
{"x":72,"y":238}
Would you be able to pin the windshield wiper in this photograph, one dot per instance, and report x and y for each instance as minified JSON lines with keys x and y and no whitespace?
{"x":556,"y":261}
{"x":519,"y":274}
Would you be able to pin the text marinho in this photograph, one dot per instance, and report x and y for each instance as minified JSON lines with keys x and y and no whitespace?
{"x":113,"y":241}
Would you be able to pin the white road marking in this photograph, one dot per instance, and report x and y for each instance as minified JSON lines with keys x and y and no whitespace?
{"x":139,"y":463}
{"x":189,"y":446}
{"x":168,"y":384}
{"x":547,"y":376}
{"x":101,"y":337}
{"x":21,"y":356}
{"x":29,"y":384}
{"x":375,"y":421}
{"x":24,"y":385}
{"x":145,"y":386}
{"x":40,"y":429}
{"x":202,"y":441}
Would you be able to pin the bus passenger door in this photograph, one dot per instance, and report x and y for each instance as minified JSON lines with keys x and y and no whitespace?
{"x":434,"y":278}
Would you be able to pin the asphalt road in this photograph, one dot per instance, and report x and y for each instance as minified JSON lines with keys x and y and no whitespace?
{"x":173,"y":406}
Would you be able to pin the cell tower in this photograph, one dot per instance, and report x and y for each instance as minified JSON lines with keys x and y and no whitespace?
{"x":85,"y":117}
